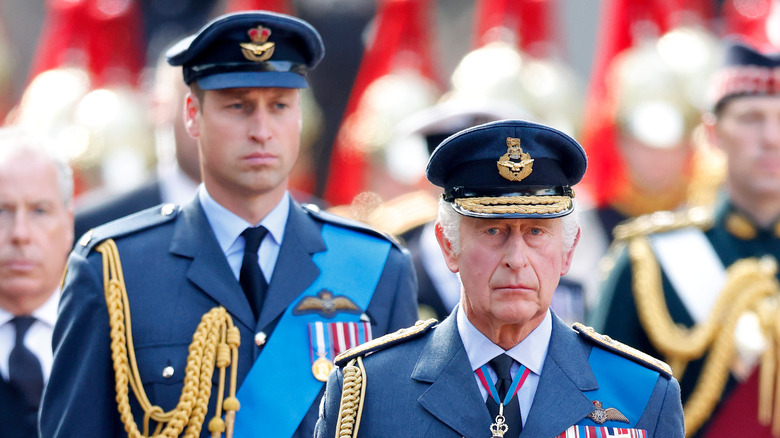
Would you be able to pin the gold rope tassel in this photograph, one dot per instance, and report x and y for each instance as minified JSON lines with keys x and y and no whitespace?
{"x":766,"y":377}
{"x":215,"y":342}
{"x":352,"y":396}
{"x":749,"y":283}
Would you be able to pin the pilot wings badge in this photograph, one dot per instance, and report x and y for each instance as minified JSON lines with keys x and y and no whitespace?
{"x":601,"y":415}
{"x":260,"y":49}
{"x":515,"y":164}
{"x":326,"y":305}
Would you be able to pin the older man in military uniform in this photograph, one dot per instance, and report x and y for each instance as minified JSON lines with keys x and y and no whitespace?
{"x":502,"y":363}
{"x":692,"y":287}
{"x":240,"y":298}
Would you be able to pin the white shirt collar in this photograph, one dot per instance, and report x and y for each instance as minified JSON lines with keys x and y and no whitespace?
{"x":46,"y":313}
{"x":227,"y":226}
{"x":530,"y":352}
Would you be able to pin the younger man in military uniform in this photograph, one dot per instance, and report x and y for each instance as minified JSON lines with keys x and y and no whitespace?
{"x":240,"y":298}
{"x":502,"y":362}
{"x":690,"y":286}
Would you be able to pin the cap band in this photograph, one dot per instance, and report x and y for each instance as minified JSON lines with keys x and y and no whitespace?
{"x":508,"y":192}
{"x":747,"y":80}
{"x":195,"y":72}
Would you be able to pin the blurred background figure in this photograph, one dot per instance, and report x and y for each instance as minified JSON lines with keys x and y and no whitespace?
{"x":36,"y":232}
{"x":178,"y":166}
{"x":642,"y":121}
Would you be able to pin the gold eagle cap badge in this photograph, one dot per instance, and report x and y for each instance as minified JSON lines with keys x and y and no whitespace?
{"x":326,"y":305}
{"x":515,"y":165}
{"x":601,"y":415}
{"x":260,"y":49}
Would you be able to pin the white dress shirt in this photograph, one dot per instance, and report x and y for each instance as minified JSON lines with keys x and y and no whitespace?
{"x":227,"y":227}
{"x":530,"y":352}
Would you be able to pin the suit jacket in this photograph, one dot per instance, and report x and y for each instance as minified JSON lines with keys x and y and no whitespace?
{"x":425,"y":388}
{"x":15,"y":420}
{"x":175,"y":272}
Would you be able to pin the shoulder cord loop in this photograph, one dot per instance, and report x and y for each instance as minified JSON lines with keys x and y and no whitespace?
{"x":352,"y":396}
{"x":750,"y":286}
{"x":215,"y":342}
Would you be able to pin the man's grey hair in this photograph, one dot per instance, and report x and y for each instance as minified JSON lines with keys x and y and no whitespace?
{"x":15,"y":139}
{"x":449,"y":219}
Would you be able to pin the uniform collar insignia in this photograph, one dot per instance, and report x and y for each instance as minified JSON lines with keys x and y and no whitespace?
{"x":601,"y":415}
{"x":515,"y":164}
{"x":260,"y":49}
{"x":326,"y":304}
{"x":741,"y":227}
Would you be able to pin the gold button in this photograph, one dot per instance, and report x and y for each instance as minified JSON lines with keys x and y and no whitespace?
{"x":168,"y":372}
{"x":260,"y":339}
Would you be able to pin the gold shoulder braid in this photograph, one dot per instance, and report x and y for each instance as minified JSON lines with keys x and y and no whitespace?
{"x":215,"y":342}
{"x":750,"y":286}
{"x":352,"y":396}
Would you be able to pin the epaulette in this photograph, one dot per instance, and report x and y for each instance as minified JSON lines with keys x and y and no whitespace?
{"x":624,"y":350}
{"x":661,"y":221}
{"x":127,"y":225}
{"x":342,"y":221}
{"x":386,"y":341}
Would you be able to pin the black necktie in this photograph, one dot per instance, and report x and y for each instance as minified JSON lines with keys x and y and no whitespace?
{"x":251,"y":277}
{"x":502,"y":365}
{"x":24,"y":369}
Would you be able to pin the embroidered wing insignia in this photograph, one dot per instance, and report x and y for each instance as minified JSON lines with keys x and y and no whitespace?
{"x":601,"y":415}
{"x":326,"y":304}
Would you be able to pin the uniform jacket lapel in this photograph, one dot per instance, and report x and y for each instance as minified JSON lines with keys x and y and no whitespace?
{"x":209,"y":271}
{"x":559,"y":402}
{"x":453,"y":396}
{"x":295,"y":270}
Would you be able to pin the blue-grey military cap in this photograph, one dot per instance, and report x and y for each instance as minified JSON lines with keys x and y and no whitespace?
{"x":508,"y":169}
{"x":249,"y":49}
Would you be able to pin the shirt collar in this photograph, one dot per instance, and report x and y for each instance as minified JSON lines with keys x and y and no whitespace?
{"x":227,"y":226}
{"x":46,"y":314}
{"x":530,"y":352}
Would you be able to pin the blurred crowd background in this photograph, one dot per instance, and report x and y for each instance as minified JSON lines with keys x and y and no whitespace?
{"x":609,"y":72}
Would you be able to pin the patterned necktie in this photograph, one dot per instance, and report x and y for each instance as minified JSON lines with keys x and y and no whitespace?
{"x":502,"y":365}
{"x":24,"y":369}
{"x":251,"y":277}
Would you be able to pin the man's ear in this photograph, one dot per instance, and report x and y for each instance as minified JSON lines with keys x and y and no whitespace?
{"x":191,"y":109}
{"x":569,"y":255}
{"x":450,"y":257}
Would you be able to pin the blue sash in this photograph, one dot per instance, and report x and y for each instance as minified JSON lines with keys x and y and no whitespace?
{"x":280,"y":387}
{"x":623,"y":384}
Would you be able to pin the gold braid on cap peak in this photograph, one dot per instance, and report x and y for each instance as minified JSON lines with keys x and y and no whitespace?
{"x":215,"y":342}
{"x":516,"y":204}
{"x":750,"y":286}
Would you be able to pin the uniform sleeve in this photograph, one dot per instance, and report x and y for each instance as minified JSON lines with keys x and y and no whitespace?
{"x":79,"y":397}
{"x":395,"y":295}
{"x":329,"y":406}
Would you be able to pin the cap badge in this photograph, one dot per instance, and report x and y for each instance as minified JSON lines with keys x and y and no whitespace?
{"x":601,"y":415}
{"x":515,"y":164}
{"x":259,"y":49}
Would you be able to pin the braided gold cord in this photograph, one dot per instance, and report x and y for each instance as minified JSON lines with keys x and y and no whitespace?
{"x":352,"y":396}
{"x":516,"y":204}
{"x":213,"y":341}
{"x":749,"y":283}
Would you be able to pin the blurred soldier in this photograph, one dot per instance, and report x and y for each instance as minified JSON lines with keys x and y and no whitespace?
{"x":688,"y":286}
{"x":178,"y":167}
{"x":242,"y":277}
{"x":505,"y":224}
{"x":36,"y":230}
